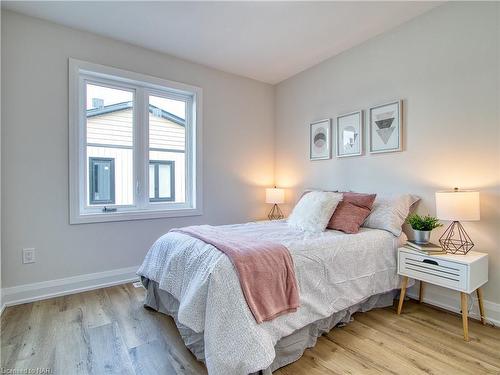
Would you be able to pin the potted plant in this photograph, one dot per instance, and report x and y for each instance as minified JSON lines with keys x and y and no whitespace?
{"x":422,"y":226}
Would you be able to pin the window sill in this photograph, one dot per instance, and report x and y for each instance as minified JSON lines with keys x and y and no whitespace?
{"x":132,"y":215}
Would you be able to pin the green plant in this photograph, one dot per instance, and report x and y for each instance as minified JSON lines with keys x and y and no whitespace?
{"x":427,"y":222}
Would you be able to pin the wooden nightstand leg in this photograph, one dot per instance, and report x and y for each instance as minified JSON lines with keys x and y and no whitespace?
{"x":465,"y":314}
{"x":421,"y":292}
{"x":402,"y":294}
{"x":481,"y":306}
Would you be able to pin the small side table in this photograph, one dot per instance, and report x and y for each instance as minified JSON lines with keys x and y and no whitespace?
{"x":463,"y":273}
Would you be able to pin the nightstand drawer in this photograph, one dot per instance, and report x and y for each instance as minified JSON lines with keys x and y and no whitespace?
{"x":435,"y":271}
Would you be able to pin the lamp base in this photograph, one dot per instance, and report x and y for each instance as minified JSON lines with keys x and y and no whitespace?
{"x":275,"y":213}
{"x":455,"y":239}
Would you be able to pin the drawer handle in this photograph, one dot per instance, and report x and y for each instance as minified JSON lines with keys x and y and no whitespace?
{"x":430,"y":261}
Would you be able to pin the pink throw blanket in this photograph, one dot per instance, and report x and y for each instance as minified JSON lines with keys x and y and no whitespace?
{"x":265,"y":270}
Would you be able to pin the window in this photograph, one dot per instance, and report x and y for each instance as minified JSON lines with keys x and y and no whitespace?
{"x":161,"y":180}
{"x":102,"y":181}
{"x":134,"y":149}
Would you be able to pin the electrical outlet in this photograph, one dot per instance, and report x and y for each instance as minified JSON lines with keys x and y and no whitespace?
{"x":29,"y":255}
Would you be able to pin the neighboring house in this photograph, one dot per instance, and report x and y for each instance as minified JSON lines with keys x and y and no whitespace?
{"x":110,"y":155}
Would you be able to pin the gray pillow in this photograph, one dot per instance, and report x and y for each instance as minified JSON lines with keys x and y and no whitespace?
{"x":390,"y":212}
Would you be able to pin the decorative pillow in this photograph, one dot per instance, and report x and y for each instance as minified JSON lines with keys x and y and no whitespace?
{"x":351,"y":212}
{"x":314,"y":210}
{"x":390,"y":213}
{"x":359,"y":199}
{"x":348,"y":217}
{"x":309,"y":190}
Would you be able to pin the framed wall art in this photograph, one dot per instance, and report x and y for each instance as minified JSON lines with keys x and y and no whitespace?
{"x":320,"y":140}
{"x":386,"y":127}
{"x":350,"y":134}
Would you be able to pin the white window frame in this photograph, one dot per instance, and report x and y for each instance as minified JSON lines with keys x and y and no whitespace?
{"x":81,"y":72}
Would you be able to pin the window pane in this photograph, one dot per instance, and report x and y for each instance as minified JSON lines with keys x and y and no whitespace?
{"x":152,"y":181}
{"x":110,"y":114}
{"x":161,"y":181}
{"x":164,"y":175}
{"x":102,"y":176}
{"x":167,"y":143}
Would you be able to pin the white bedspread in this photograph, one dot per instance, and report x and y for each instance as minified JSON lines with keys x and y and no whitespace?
{"x":334,"y":271}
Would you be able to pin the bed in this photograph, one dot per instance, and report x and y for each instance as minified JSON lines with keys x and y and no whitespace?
{"x":337,"y":274}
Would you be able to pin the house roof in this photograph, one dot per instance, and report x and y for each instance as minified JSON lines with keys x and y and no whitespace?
{"x":127,"y":105}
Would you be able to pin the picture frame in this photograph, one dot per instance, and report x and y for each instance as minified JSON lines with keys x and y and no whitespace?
{"x":349,"y":134}
{"x":320,"y":140}
{"x":386,"y":127}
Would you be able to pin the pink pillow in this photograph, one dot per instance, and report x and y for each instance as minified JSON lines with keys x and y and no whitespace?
{"x":348,"y":217}
{"x":351,"y":213}
{"x":359,"y":199}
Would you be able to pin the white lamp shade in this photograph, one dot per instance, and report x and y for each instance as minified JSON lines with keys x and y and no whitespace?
{"x":457,"y":205}
{"x":275,"y":196}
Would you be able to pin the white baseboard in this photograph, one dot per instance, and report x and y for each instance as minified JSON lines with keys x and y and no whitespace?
{"x":450,"y":300}
{"x":17,"y":295}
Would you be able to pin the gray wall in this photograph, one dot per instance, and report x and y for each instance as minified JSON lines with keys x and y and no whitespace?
{"x":1,"y":244}
{"x":237,"y":148}
{"x":444,"y":64}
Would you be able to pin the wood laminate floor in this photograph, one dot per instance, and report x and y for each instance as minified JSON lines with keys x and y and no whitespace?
{"x":107,"y":331}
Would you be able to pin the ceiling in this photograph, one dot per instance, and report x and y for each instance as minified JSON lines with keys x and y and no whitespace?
{"x":266,"y":41}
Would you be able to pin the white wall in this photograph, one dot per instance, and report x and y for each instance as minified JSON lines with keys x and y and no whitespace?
{"x":445,"y":66}
{"x":237,"y":147}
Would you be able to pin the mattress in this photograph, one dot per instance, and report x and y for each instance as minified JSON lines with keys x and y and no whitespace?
{"x":335,"y":271}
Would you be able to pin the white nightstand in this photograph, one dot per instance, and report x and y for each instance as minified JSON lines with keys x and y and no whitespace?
{"x":464,"y":273}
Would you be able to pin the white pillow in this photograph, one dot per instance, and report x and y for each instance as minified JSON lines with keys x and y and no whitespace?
{"x":314,"y":210}
{"x":390,"y":213}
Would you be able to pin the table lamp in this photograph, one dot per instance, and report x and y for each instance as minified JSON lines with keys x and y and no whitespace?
{"x":275,"y":196}
{"x":457,"y":205}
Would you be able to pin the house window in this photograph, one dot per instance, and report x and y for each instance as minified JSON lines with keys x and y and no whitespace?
{"x":134,"y":145}
{"x":102,"y":180}
{"x":161,"y":181}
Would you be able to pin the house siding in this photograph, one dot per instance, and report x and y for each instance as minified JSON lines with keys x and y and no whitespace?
{"x":111,"y":135}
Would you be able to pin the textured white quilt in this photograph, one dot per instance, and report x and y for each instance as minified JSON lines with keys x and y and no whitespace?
{"x":334,"y":271}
